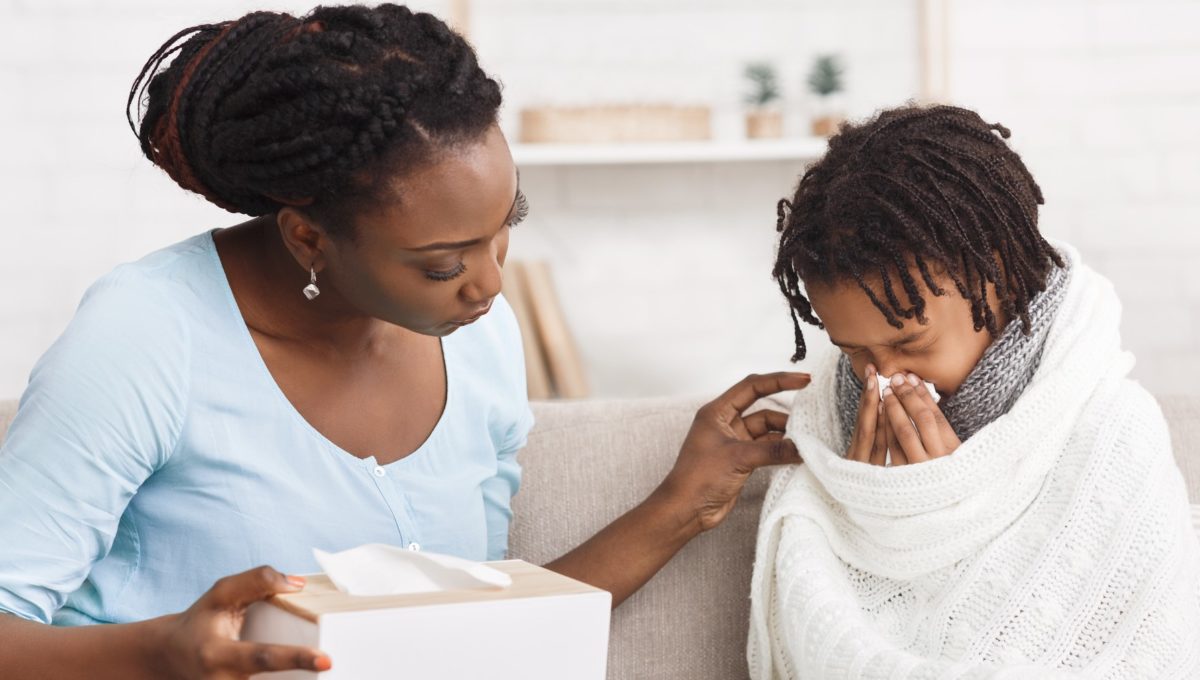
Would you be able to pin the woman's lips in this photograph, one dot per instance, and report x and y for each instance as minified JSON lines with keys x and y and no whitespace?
{"x":473,"y":319}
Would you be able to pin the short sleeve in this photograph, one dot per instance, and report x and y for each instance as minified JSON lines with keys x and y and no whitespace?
{"x":102,"y":411}
{"x":500,"y":489}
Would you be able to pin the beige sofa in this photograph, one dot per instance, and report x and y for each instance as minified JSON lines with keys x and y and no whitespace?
{"x":588,"y":461}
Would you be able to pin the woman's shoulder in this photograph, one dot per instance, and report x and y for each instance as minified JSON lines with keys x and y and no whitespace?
{"x":121,"y":371}
{"x":137,"y":319}
{"x":176,"y":276}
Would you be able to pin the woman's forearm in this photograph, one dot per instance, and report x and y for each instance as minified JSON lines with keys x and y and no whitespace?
{"x":623,"y":556}
{"x":118,"y":651}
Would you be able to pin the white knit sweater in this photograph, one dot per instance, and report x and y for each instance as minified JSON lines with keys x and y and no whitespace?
{"x":1055,"y":541}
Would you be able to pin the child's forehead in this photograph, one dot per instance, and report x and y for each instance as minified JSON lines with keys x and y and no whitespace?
{"x":845,"y":283}
{"x":851,"y":317}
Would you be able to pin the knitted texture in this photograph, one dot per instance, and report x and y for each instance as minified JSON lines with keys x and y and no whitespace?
{"x":993,"y":386}
{"x":1055,"y":542}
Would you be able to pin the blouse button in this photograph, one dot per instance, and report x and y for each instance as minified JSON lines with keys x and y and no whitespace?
{"x":379,"y":471}
{"x":415,"y":547}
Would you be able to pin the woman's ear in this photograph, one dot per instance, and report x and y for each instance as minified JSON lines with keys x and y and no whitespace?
{"x":303,"y":237}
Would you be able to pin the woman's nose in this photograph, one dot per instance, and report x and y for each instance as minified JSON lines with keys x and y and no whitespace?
{"x":485,"y":284}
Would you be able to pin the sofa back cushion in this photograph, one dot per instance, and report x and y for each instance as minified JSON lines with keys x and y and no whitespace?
{"x":588,"y":462}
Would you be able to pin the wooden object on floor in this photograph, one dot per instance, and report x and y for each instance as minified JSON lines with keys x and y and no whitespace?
{"x":562,"y":356}
{"x":537,"y":376}
{"x":553,"y":367}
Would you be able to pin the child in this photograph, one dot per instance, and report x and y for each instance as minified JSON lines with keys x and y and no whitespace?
{"x":1031,"y":520}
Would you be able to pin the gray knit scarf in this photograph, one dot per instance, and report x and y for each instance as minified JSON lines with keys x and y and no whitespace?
{"x":995,"y":383}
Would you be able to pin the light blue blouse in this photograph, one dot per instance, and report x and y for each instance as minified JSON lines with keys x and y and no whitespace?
{"x":153,"y":453}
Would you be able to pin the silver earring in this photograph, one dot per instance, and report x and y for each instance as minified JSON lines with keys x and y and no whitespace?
{"x":311,"y":291}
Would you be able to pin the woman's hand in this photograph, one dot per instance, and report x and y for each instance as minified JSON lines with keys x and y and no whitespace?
{"x":720,"y":451}
{"x":723,"y":447}
{"x":202,"y":642}
{"x":907,"y":422}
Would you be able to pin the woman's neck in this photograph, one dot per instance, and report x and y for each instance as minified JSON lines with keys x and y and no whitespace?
{"x":267,"y":282}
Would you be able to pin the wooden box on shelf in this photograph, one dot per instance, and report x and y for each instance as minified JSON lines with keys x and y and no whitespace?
{"x":601,"y":124}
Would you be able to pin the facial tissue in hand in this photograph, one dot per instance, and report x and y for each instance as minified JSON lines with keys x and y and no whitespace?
{"x":882,"y":382}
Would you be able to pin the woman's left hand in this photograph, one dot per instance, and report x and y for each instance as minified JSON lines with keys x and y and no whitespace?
{"x":915,"y":428}
{"x":723,"y":447}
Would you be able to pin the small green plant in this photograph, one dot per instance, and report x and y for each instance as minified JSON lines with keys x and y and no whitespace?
{"x":764,"y":82}
{"x":826,"y":76}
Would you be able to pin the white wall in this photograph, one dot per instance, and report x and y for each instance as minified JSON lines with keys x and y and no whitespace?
{"x":664,"y":270}
{"x":1104,"y":102}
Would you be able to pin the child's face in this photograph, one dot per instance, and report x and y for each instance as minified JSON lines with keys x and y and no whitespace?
{"x":943,"y":351}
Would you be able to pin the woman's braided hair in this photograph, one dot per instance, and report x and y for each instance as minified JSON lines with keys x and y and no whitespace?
{"x":318,"y":111}
{"x":935,"y":185}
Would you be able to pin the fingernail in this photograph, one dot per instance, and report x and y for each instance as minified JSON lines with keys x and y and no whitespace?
{"x":887,"y":391}
{"x":322,"y":663}
{"x":296,"y":581}
{"x":913,"y":379}
{"x":898,"y":379}
{"x":870,"y":369}
{"x":871,"y":381}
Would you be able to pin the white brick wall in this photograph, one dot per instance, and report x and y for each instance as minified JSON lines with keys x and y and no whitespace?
{"x":664,"y":270}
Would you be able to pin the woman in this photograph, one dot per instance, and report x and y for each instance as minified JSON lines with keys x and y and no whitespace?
{"x":1031,"y":522}
{"x":340,"y":369}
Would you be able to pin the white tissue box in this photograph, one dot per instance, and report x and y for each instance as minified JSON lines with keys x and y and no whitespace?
{"x":543,"y":626}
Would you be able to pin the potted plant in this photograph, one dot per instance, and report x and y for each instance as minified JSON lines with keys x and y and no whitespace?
{"x":825,"y":80}
{"x":763,"y":119}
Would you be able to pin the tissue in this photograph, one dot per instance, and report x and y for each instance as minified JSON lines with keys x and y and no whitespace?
{"x":377,"y":569}
{"x":882,"y":382}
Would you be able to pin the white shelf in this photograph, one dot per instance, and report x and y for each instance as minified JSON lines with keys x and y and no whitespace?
{"x":801,"y":148}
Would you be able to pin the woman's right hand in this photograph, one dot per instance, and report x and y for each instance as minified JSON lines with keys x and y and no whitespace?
{"x":202,"y":642}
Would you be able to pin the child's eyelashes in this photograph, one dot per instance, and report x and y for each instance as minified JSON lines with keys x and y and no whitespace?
{"x":447,"y":274}
{"x":920,"y":350}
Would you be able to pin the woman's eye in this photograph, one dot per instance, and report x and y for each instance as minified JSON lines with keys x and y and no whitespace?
{"x":446,"y":274}
{"x":521,"y":210}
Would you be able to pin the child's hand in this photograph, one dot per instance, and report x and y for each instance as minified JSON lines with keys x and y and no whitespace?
{"x":916,"y":430}
{"x":869,"y":443}
{"x":909,"y":423}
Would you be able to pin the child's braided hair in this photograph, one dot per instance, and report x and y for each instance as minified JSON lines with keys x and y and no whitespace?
{"x":935,"y":185}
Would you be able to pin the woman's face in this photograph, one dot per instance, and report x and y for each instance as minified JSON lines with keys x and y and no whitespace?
{"x":431,"y":260}
{"x":943,"y":351}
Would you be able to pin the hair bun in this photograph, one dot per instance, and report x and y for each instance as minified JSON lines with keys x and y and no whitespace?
{"x":273,"y":106}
